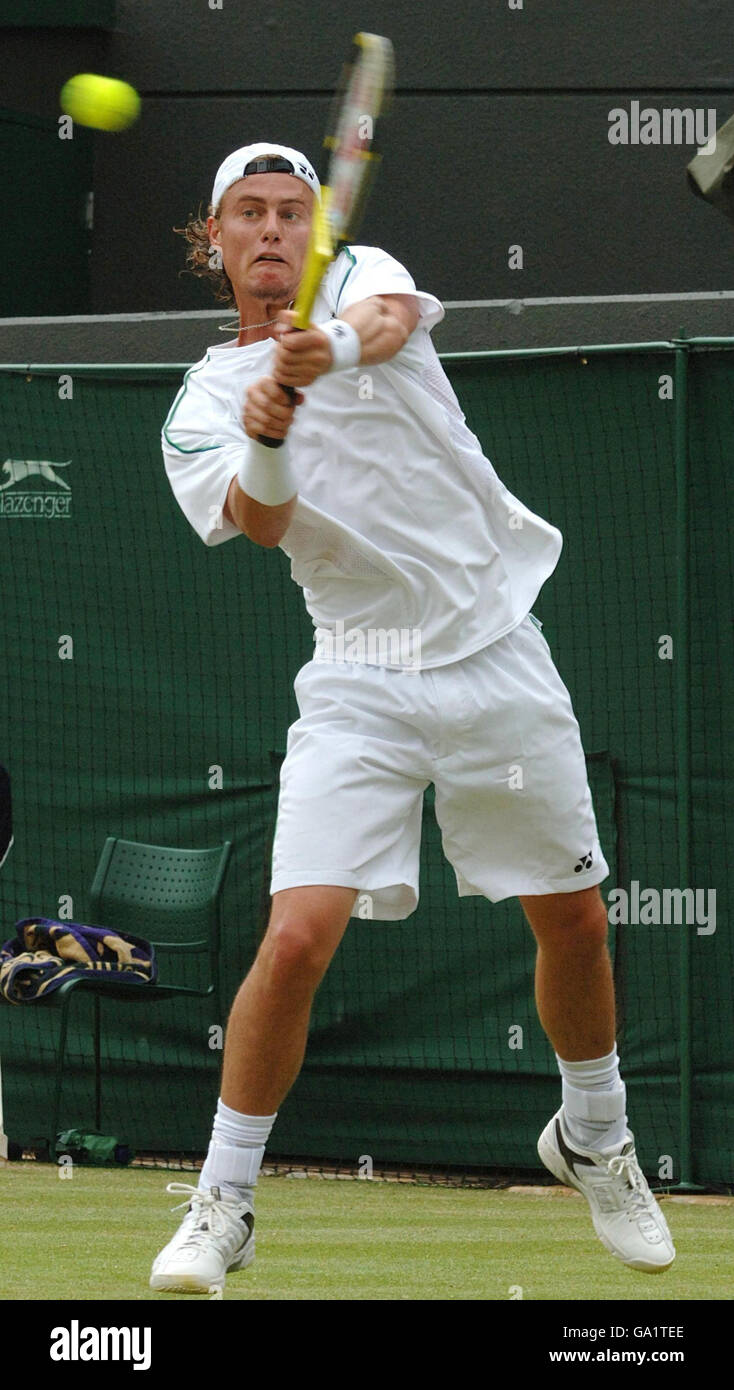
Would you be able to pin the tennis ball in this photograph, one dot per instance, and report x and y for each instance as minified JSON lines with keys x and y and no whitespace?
{"x":101,"y":102}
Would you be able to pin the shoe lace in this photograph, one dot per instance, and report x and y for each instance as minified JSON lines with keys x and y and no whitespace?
{"x":625,"y":1166}
{"x":203,"y":1205}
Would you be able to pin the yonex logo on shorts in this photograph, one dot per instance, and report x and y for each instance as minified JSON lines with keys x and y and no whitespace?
{"x":585,"y":862}
{"x":383,"y":646}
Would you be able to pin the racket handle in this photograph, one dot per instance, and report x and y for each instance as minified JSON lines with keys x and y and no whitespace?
{"x":290,"y":391}
{"x":266,"y":439}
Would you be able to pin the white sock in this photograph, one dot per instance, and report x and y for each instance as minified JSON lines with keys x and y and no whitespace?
{"x":235,"y":1152}
{"x":594,"y":1097}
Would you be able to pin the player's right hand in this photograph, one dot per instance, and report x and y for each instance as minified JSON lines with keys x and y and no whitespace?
{"x":268,"y":409}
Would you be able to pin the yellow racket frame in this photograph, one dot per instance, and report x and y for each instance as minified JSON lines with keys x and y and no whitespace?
{"x":318,"y":256}
{"x":323,"y":246}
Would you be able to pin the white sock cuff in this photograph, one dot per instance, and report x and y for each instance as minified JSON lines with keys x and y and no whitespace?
{"x":594,"y":1105}
{"x":232,"y":1163}
{"x":598,"y":1071}
{"x":232,"y":1127}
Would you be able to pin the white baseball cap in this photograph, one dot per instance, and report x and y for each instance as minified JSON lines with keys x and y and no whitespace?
{"x":263,"y":159}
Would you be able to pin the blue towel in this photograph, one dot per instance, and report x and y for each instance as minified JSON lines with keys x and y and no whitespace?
{"x":45,"y":954}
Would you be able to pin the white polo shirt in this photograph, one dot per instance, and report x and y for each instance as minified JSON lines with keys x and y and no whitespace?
{"x":401,"y":523}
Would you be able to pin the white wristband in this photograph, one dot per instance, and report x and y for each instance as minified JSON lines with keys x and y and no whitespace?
{"x":345,"y":344}
{"x":266,"y":474}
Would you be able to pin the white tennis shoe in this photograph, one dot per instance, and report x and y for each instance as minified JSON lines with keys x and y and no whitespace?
{"x":627,"y":1219}
{"x":215,"y":1237}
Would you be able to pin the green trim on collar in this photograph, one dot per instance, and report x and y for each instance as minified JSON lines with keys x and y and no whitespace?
{"x":353,"y":260}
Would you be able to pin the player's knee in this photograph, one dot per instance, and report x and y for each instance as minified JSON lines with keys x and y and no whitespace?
{"x":584,"y":921}
{"x":297,"y":948}
{"x":578,"y":923}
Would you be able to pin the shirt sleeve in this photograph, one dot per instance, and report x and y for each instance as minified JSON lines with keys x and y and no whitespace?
{"x":201,"y":457}
{"x":361,"y":271}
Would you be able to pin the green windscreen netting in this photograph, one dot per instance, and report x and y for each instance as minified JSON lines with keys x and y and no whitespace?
{"x":146,"y":692}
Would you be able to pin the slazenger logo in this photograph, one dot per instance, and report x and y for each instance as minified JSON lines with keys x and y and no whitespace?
{"x":17,"y":499}
{"x":77,"y":1343}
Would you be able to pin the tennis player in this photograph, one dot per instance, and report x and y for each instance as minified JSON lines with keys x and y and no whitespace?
{"x":395,"y":523}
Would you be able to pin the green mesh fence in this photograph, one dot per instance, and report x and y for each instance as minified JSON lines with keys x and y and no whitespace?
{"x":146,"y":692}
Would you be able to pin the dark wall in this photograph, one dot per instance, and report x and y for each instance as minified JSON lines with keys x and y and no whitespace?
{"x":499,"y":136}
{"x":48,"y":268}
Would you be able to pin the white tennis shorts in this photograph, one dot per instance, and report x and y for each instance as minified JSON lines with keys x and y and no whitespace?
{"x":496,"y":735}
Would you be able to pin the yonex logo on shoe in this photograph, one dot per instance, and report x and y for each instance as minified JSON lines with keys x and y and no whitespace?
{"x":570,"y":1155}
{"x":585,"y":862}
{"x":75,"y":1343}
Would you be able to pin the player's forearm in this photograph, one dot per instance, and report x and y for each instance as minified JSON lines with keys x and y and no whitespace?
{"x":264,"y":525}
{"x":382,"y":333}
{"x":367,"y":333}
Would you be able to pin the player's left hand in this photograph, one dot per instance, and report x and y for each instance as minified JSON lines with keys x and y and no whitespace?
{"x":299,"y":357}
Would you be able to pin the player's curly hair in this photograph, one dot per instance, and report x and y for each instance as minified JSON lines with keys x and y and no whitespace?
{"x":198,"y":256}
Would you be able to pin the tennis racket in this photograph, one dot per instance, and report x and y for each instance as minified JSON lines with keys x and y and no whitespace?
{"x":362,"y":97}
